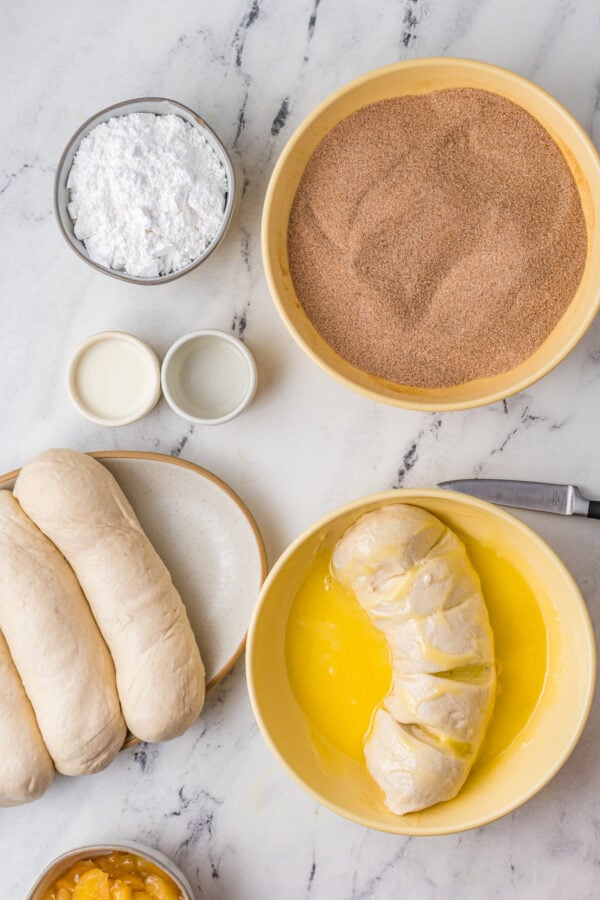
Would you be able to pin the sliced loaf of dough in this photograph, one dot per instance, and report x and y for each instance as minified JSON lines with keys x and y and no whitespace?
{"x":413,"y":577}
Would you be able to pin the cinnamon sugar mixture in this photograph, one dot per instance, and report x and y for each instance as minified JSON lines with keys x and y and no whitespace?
{"x":437,"y":238}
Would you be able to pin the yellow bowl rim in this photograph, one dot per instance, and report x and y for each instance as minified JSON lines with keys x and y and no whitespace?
{"x":421,"y":406}
{"x":401,"y":495}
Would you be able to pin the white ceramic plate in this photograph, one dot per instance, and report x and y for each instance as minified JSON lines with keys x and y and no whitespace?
{"x":207,"y":539}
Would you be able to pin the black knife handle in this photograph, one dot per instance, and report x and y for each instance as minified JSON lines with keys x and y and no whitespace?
{"x":594,"y":509}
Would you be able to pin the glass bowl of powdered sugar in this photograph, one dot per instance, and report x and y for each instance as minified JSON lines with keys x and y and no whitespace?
{"x":144,"y":191}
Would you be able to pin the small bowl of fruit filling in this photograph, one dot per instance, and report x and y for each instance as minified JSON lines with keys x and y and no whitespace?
{"x":112,"y":872}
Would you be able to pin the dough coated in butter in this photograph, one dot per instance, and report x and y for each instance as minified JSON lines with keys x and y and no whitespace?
{"x":413,"y":577}
{"x":75,"y":500}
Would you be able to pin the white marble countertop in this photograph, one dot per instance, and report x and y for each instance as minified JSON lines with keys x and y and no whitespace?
{"x":215,"y":800}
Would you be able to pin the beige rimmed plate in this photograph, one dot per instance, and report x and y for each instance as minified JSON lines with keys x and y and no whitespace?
{"x":206,"y":537}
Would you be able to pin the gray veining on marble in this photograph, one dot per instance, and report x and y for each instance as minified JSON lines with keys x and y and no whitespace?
{"x":215,"y":799}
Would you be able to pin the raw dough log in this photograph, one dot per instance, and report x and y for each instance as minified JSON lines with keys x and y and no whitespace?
{"x":413,"y":577}
{"x":26,"y":770}
{"x":160,"y":676}
{"x":56,"y":647}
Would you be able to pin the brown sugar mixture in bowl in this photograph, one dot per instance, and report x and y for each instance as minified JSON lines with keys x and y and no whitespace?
{"x":437,"y":238}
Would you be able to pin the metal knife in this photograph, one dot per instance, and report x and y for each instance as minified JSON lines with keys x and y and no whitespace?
{"x":564,"y":499}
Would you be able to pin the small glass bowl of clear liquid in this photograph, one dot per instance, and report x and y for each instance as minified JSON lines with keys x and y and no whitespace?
{"x":208,"y":377}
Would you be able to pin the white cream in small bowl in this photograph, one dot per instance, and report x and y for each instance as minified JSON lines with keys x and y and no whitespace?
{"x":114,"y":378}
{"x":208,"y":377}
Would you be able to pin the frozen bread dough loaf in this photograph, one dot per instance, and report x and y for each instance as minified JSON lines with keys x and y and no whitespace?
{"x":413,"y":577}
{"x":56,"y":647}
{"x":26,"y":770}
{"x":160,"y":676}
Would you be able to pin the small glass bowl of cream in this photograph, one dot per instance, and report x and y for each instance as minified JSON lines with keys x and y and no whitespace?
{"x":208,"y":377}
{"x":114,"y":378}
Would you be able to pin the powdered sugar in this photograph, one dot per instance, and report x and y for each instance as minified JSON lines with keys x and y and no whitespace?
{"x":147,"y":193}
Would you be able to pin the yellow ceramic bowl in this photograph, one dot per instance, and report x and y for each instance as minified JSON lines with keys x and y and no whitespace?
{"x":501,"y":784}
{"x":418,"y":77}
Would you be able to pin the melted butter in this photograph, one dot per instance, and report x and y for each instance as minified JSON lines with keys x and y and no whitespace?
{"x":521,"y":648}
{"x":338,"y":662}
{"x":340,"y":669}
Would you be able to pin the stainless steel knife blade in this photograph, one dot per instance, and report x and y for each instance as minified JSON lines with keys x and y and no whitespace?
{"x":564,"y":499}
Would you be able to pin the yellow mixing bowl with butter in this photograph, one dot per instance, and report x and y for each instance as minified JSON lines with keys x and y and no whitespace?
{"x":421,"y":76}
{"x":317,"y":668}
